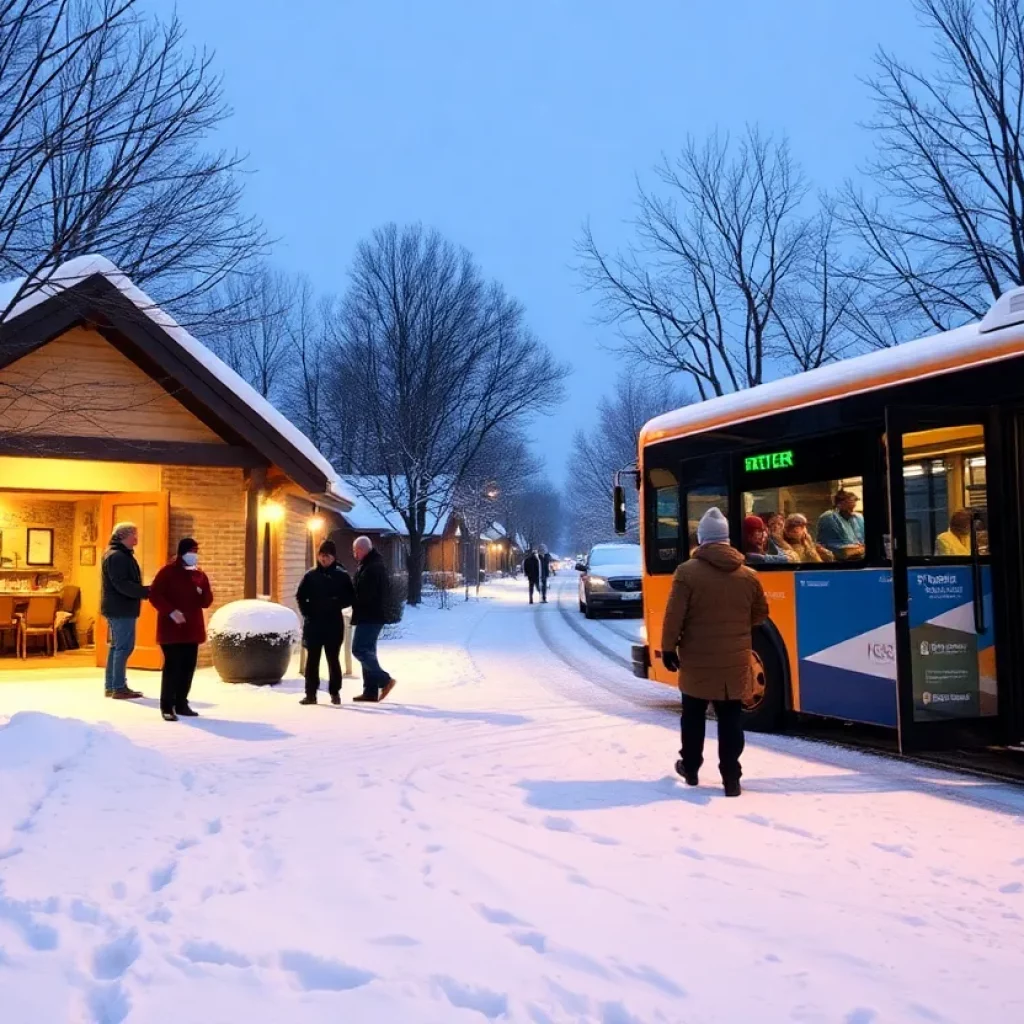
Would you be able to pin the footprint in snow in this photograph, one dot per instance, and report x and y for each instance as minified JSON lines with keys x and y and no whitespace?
{"x":861,"y":1015}
{"x":492,"y":1005}
{"x":531,"y":940}
{"x":161,"y":877}
{"x":895,"y":849}
{"x":395,"y":940}
{"x":553,"y":824}
{"x":213,"y":953}
{"x":498,"y":916}
{"x":112,"y":959}
{"x":318,"y":975}
{"x":213,"y":827}
{"x":107,"y":1004}
{"x":1011,"y":888}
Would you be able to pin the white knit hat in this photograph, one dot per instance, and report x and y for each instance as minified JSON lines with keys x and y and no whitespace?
{"x":713,"y":528}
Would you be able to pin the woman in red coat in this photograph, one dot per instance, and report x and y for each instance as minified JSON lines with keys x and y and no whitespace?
{"x":180,"y":592}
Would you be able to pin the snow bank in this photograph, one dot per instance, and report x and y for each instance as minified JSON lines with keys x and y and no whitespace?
{"x":254,"y":618}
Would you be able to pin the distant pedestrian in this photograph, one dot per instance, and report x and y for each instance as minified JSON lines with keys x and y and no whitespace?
{"x":180,"y":594}
{"x":322,"y":595}
{"x":371,"y":612}
{"x":531,"y":570}
{"x":715,"y":603}
{"x":545,"y":571}
{"x":121,"y":597}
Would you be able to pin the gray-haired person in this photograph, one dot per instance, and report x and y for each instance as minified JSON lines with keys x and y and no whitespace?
{"x":121,"y":604}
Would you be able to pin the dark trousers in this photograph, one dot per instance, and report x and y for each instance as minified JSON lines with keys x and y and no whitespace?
{"x":364,"y":650}
{"x":330,"y":645}
{"x":730,"y":735}
{"x":176,"y":678}
{"x":540,"y":585}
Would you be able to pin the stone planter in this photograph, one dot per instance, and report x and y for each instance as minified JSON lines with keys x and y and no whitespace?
{"x":252,"y":641}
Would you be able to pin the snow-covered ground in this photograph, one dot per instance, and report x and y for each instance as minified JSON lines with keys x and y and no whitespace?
{"x":504,"y":841}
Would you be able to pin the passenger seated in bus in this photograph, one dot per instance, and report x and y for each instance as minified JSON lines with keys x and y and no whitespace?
{"x":841,"y":530}
{"x":775,"y":524}
{"x":755,"y":543}
{"x":956,"y":541}
{"x":801,"y":543}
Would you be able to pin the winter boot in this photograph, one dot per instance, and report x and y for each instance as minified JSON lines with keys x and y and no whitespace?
{"x":335,"y":698}
{"x":126,"y":694}
{"x":690,"y":777}
{"x":186,"y":712}
{"x":732,"y":787}
{"x":308,"y":700}
{"x":365,"y":698}
{"x":387,"y":688}
{"x":169,"y":716}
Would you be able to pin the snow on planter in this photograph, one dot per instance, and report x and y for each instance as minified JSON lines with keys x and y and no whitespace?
{"x":252,"y":641}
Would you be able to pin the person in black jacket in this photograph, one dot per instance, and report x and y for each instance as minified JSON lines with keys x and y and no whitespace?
{"x":371,"y":612}
{"x":324,"y":591}
{"x":531,"y":569}
{"x":121,"y":596}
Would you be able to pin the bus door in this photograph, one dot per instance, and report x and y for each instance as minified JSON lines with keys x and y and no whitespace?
{"x":939,"y":496}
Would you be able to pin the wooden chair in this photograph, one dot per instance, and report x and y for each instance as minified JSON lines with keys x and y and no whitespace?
{"x":8,"y":620}
{"x":39,"y":619}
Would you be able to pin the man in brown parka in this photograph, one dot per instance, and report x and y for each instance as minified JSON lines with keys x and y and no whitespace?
{"x":714,"y":605}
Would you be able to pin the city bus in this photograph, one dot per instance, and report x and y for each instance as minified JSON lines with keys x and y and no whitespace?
{"x":893,"y":485}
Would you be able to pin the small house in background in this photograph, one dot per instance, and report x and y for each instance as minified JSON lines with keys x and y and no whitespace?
{"x":372,"y":516}
{"x":110,"y":411}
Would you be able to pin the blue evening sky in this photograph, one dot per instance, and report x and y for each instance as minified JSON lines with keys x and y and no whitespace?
{"x":507,"y":125}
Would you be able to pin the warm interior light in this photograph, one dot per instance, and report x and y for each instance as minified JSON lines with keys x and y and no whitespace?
{"x":273,"y":511}
{"x":316,"y":524}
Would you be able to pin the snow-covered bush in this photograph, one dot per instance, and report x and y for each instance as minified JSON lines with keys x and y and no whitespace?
{"x":252,"y":641}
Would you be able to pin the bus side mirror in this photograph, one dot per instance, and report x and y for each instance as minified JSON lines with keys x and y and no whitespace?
{"x":620,"y":509}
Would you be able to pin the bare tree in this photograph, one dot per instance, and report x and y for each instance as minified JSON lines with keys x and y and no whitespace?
{"x":698,"y":292}
{"x":104,"y":119}
{"x":943,"y":228}
{"x":269,"y":311}
{"x":540,"y":517}
{"x":609,"y":446}
{"x":817,"y":310}
{"x":440,"y":359}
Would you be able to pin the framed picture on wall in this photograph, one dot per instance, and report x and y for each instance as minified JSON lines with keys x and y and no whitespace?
{"x":39,"y":548}
{"x":88,"y":555}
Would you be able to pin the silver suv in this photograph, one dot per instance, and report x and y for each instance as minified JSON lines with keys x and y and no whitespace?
{"x":610,"y":580}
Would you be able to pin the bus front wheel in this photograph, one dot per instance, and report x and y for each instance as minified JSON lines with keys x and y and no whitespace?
{"x":763,"y":712}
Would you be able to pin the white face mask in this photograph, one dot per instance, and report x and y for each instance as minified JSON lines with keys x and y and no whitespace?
{"x":191,"y":559}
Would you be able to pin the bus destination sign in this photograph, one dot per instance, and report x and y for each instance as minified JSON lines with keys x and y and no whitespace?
{"x":770,"y":460}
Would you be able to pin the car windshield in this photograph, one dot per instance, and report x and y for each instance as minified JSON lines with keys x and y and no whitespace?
{"x":628,"y":555}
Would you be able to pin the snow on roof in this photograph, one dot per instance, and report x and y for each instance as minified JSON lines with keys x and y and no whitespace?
{"x":75,"y":271}
{"x":941,"y":353}
{"x":371,"y":510}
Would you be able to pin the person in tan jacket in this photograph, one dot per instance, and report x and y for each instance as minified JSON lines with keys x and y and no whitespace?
{"x":715,"y":603}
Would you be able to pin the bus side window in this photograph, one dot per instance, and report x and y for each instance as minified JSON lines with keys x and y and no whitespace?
{"x":698,"y":501}
{"x":944,"y":480}
{"x":666,"y":526}
{"x":807,"y":523}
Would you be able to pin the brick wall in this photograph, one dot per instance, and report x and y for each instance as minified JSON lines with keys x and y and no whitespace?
{"x":208,"y":503}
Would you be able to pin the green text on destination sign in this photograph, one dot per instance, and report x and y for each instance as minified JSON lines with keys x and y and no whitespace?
{"x":772,"y":460}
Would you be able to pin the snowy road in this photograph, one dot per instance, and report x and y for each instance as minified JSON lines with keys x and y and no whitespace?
{"x":506,"y":841}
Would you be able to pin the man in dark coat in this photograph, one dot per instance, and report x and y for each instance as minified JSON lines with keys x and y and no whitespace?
{"x":324,"y":591}
{"x":531,"y":570}
{"x":371,"y":612}
{"x":121,"y":596}
{"x":544,"y":561}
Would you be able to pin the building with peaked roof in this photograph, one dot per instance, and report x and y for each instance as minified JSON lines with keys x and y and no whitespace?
{"x":110,"y":410}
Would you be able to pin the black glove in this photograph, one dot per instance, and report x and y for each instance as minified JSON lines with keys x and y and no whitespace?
{"x":670,"y":660}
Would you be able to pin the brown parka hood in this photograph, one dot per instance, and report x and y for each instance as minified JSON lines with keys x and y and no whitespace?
{"x":720,"y":556}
